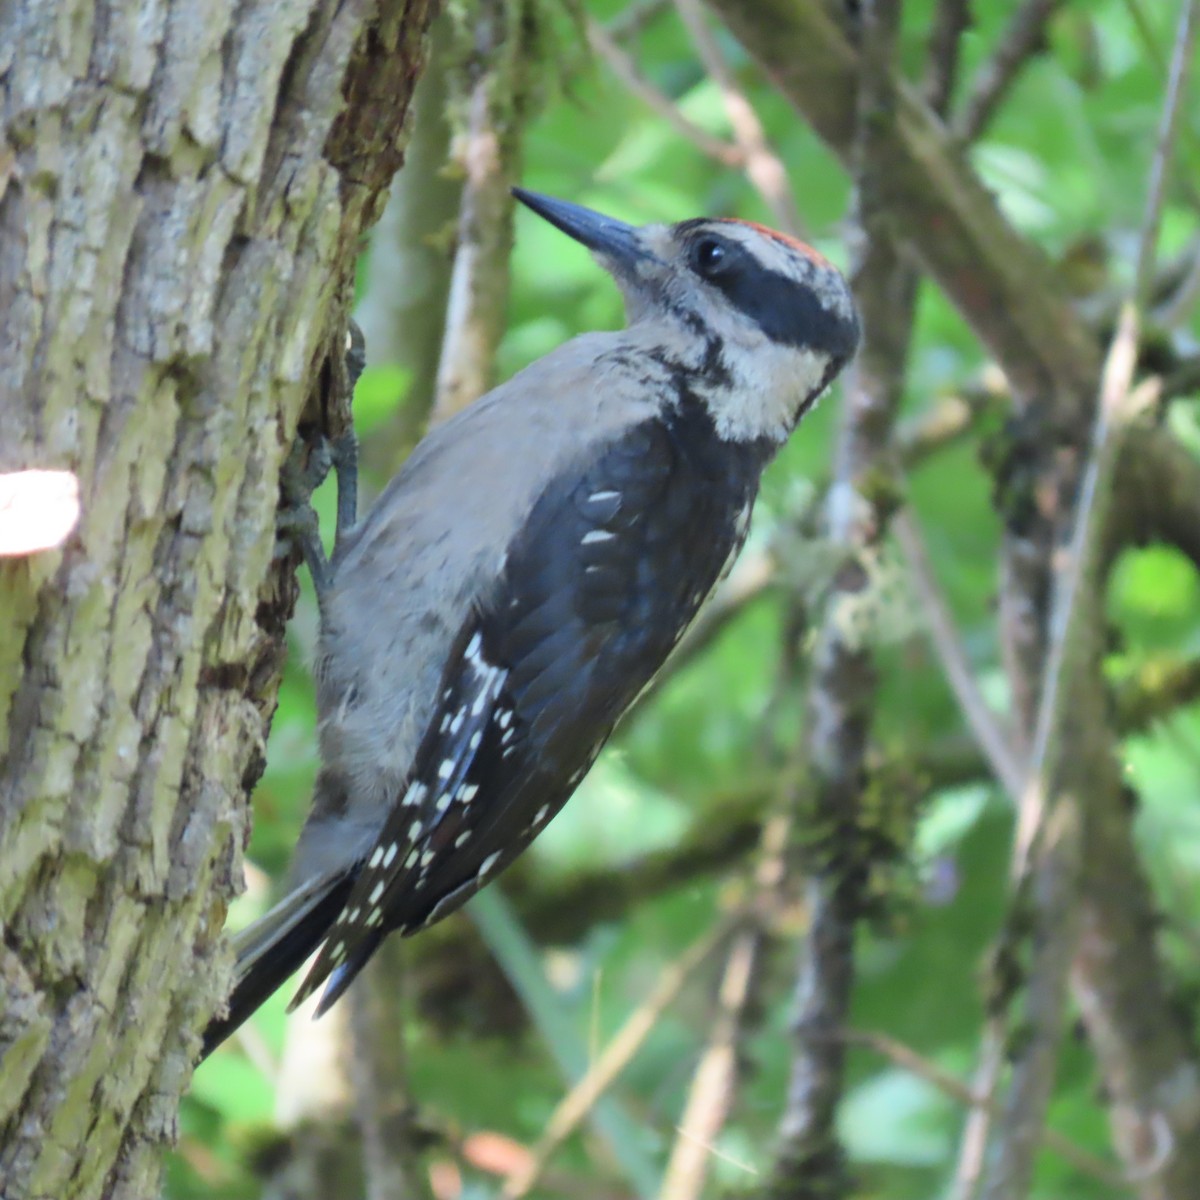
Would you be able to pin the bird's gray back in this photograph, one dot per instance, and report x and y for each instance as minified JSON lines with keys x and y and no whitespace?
{"x":405,"y":579}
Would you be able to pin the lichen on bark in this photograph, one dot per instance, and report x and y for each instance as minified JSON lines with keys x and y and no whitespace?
{"x":182,"y":189}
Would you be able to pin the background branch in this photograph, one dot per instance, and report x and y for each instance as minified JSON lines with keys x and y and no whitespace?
{"x":1024,"y":37}
{"x":841,"y":700}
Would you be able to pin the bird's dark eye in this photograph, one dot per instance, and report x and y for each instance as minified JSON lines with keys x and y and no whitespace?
{"x":709,"y":256}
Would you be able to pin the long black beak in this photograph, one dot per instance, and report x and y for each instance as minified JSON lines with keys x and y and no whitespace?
{"x":604,"y":235}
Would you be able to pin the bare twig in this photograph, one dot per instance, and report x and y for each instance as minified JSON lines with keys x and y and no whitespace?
{"x":1169,"y":126}
{"x":972,"y":1148}
{"x":565,"y":907}
{"x":391,"y":1144}
{"x":711,"y":1096}
{"x":402,"y":305}
{"x":493,"y":95}
{"x":1091,"y":509}
{"x":714,"y":1083}
{"x":623,"y":67}
{"x":1114,"y":410}
{"x":616,"y":1056}
{"x":984,"y":723}
{"x":634,"y":18}
{"x":1157,"y":55}
{"x":1049,"y":900}
{"x":941,"y":71}
{"x":1024,"y":37}
{"x":762,"y":165}
{"x":908,"y":1059}
{"x":1179,"y":305}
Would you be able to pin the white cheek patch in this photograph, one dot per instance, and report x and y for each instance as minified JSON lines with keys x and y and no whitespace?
{"x":773,"y":387}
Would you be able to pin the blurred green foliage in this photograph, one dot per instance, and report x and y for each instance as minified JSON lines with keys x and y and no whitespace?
{"x":1067,"y":157}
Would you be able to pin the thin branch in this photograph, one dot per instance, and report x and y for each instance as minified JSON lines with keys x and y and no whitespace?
{"x":1156,"y":54}
{"x":574,"y":1107}
{"x":763,"y":167}
{"x":519,"y":958}
{"x":909,"y":1060}
{"x":630,"y":22}
{"x":809,"y":1159}
{"x":1048,"y":900}
{"x":1114,"y":410}
{"x":983,"y":722}
{"x":1179,"y":305}
{"x":949,"y":23}
{"x":624,"y":68}
{"x":972,"y":1147}
{"x":714,"y":1083}
{"x":392,"y":1146}
{"x":1169,"y":126}
{"x":493,"y":91}
{"x":1024,"y":37}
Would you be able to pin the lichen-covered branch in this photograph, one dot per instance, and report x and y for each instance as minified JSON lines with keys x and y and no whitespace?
{"x":842,"y":695}
{"x":491,"y":92}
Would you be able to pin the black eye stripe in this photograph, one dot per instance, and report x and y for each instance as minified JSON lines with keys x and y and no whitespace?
{"x":789,"y":312}
{"x":786,"y":310}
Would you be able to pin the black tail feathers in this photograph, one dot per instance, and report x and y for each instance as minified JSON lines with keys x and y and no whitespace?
{"x":273,"y":949}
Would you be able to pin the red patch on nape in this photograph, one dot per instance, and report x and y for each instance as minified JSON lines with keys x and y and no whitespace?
{"x":786,"y":238}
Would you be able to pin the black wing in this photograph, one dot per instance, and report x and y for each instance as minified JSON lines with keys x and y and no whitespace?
{"x":597,"y":589}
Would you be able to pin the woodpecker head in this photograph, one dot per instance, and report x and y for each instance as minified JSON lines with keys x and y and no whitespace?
{"x":761,"y":321}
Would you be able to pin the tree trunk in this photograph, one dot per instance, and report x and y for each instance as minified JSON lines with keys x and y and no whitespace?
{"x":182,"y":187}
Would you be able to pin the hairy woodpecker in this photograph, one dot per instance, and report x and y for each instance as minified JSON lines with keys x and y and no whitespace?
{"x":527,"y":572}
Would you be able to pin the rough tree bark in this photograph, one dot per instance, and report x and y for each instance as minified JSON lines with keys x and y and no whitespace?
{"x":181,"y":191}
